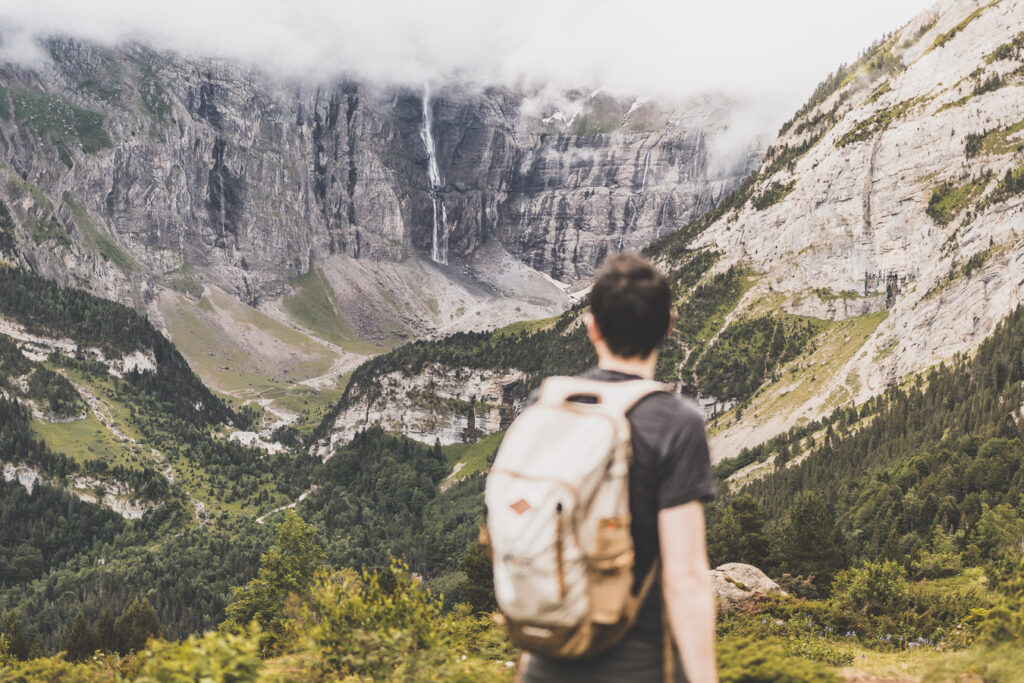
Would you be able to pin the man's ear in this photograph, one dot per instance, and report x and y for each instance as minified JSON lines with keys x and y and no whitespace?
{"x":593,"y":331}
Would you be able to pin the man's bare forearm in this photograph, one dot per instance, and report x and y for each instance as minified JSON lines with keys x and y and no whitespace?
{"x":691,"y":614}
{"x":686,"y":583}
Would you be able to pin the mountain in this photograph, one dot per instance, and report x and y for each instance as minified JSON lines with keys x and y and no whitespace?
{"x":350,"y":217}
{"x":848,"y":321}
{"x":879,"y":236}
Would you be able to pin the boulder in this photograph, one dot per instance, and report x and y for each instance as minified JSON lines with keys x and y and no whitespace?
{"x":736,"y":583}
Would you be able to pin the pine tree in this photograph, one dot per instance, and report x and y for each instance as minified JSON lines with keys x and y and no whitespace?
{"x":79,"y":642}
{"x":17,"y":641}
{"x":107,"y":638}
{"x":754,"y":546}
{"x":136,"y":624}
{"x":287,"y":567}
{"x":811,"y":543}
{"x":478,"y":588}
{"x":7,"y":658}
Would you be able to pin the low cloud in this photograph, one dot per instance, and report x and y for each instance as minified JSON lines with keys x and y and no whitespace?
{"x":768,"y":54}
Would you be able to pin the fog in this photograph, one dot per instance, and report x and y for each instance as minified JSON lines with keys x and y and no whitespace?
{"x":766,"y":54}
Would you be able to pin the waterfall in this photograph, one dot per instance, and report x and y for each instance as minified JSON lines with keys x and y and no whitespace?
{"x":439,"y":242}
{"x":633,"y":200}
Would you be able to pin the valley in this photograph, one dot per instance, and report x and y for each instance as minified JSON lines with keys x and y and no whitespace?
{"x":239,"y":315}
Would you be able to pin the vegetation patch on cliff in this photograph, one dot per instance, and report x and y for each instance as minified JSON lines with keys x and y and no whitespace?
{"x":944,"y":38}
{"x":948,"y":200}
{"x":872,"y":125}
{"x":747,"y":353}
{"x":773,"y":194}
{"x":53,"y":117}
{"x":102,"y":243}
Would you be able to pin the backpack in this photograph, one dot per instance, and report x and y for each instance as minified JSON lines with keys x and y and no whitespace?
{"x":558,"y":520}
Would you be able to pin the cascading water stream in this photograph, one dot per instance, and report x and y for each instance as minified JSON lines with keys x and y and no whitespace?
{"x":439,"y":242}
{"x":633,"y":200}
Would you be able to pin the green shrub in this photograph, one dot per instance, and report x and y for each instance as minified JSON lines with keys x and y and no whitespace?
{"x":873,"y":588}
{"x":53,"y":117}
{"x":214,"y":657}
{"x":387,"y":627}
{"x":109,"y":669}
{"x":752,"y":660}
{"x":1004,"y":622}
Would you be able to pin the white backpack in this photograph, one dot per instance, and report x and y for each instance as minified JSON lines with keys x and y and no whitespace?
{"x":558,"y":520}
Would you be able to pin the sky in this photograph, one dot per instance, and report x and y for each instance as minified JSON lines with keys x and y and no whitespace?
{"x":770,"y":53}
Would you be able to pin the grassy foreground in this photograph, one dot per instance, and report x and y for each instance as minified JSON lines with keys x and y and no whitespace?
{"x":299,"y":620}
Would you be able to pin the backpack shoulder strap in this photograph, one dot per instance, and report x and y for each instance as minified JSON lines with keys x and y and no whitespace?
{"x":617,"y":397}
{"x":622,"y":396}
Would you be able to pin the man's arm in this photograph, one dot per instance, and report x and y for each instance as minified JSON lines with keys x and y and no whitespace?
{"x":686,"y":583}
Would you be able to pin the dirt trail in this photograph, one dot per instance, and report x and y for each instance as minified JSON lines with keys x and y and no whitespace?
{"x":289,"y":506}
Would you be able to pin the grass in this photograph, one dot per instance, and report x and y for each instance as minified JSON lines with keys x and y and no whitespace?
{"x":53,"y":117}
{"x":89,"y":440}
{"x":5,"y":105}
{"x":210,"y":335}
{"x":312,"y":303}
{"x":527,"y":326}
{"x":185,"y":279}
{"x":476,"y":457}
{"x":977,"y":663}
{"x":599,"y":116}
{"x":100,"y":242}
{"x":308,"y":403}
{"x":83,"y":440}
{"x":826,"y":294}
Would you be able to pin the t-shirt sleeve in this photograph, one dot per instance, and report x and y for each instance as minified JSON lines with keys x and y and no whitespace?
{"x":684,"y":468}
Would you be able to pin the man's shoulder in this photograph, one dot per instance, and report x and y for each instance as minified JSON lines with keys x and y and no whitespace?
{"x":668,"y":408}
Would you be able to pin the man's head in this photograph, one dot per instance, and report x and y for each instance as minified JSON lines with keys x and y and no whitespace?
{"x":631,"y":307}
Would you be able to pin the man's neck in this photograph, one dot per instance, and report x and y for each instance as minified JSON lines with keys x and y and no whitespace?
{"x":641,"y":367}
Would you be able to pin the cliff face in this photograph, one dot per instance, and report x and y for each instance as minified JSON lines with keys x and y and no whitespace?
{"x":899,"y":189}
{"x":129,"y":171}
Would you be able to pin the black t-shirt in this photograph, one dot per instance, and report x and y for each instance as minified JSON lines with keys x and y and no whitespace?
{"x":670,"y":467}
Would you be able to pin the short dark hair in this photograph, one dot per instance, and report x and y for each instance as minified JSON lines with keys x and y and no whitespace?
{"x":631,"y":301}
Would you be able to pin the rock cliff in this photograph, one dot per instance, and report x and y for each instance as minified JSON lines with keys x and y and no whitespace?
{"x":129,"y":171}
{"x":897,"y":188}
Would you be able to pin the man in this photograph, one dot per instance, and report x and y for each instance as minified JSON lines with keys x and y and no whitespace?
{"x":670,"y":477}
